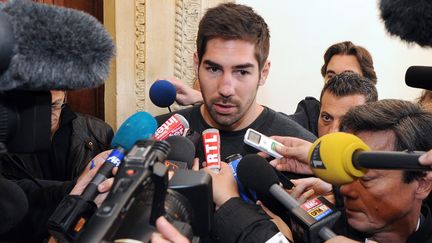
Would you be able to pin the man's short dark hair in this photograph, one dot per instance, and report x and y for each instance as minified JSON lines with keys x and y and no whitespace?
{"x":232,"y":21}
{"x":362,"y":55}
{"x":350,"y":83}
{"x":411,"y":124}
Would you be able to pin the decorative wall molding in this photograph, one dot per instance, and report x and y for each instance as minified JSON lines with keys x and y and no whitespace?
{"x":140,"y":54}
{"x":187,"y":16}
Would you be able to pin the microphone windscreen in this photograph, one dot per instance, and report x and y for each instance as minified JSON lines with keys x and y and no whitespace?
{"x":55,"y":48}
{"x":182,"y":149}
{"x":256,"y":173}
{"x":13,"y":205}
{"x":139,"y":126}
{"x":419,"y":77}
{"x":408,"y":19}
{"x":162,"y":93}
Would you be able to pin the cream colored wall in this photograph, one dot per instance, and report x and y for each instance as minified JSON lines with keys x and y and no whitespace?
{"x":301,"y":31}
{"x":154,"y":39}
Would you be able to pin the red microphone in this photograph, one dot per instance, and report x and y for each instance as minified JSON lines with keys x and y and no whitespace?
{"x":176,"y":125}
{"x":211,"y":142}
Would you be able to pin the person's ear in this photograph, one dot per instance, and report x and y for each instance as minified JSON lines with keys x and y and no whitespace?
{"x":424,"y":188}
{"x":196,"y":62}
{"x":264,"y":73}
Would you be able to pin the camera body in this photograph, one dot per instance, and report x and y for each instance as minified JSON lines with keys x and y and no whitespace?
{"x":138,"y":197}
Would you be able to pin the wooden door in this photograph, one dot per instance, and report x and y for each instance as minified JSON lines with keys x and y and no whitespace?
{"x":89,"y":101}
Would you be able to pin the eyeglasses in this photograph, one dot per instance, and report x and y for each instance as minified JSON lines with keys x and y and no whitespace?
{"x":57,"y":106}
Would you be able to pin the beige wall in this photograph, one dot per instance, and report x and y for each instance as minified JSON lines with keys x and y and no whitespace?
{"x":154,"y":39}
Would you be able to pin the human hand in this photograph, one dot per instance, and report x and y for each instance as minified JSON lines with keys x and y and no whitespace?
{"x":224,"y":184}
{"x":185,"y":95}
{"x":88,"y":174}
{"x":167,"y":233}
{"x":294,"y":154}
{"x":307,"y":188}
{"x":282,"y":226}
{"x":426,"y":159}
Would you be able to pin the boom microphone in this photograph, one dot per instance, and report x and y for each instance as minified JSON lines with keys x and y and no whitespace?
{"x":340,"y":158}
{"x":53,"y":48}
{"x":410,"y":20}
{"x":311,"y":219}
{"x":139,"y":126}
{"x":419,"y":77}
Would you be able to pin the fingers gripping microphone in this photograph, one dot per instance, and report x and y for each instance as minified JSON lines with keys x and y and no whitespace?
{"x":340,"y":158}
{"x":419,"y":77}
{"x":311,"y":219}
{"x":139,"y":126}
{"x":53,"y":48}
{"x":162,"y":93}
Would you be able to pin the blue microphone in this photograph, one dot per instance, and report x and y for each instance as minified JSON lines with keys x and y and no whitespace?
{"x":162,"y":93}
{"x":139,"y":126}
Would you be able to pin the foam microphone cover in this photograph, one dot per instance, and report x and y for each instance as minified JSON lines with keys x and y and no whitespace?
{"x":139,"y":126}
{"x":13,"y":205}
{"x":55,"y":48}
{"x":162,"y":93}
{"x":419,"y":77}
{"x":408,"y":19}
{"x":182,"y":149}
{"x":256,"y":173}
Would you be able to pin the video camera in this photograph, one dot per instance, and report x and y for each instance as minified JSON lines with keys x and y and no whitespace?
{"x":140,"y":194}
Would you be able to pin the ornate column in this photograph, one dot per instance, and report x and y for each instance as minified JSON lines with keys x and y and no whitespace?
{"x":154,"y":39}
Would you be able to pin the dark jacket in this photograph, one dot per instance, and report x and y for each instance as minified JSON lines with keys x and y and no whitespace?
{"x":47,"y":177}
{"x":307,"y":114}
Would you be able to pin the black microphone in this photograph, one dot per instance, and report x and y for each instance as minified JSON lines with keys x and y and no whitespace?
{"x":389,"y":160}
{"x":182,"y":153}
{"x":313,"y":218}
{"x":53,"y":48}
{"x":410,"y":20}
{"x":13,"y":204}
{"x":419,"y":77}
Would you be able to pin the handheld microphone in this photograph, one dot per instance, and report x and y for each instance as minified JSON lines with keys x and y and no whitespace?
{"x":246,"y":195}
{"x":182,"y":153}
{"x":176,"y":125}
{"x":162,"y":93}
{"x":419,"y":77}
{"x":312,"y":219}
{"x":211,"y":142}
{"x":340,"y":158}
{"x":52,"y":48}
{"x":139,"y":126}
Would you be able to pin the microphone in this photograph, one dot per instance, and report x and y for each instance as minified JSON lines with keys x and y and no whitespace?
{"x":340,"y":158}
{"x":182,"y":153}
{"x":410,"y":20}
{"x":13,"y":204}
{"x":162,"y":93}
{"x":52,"y":48}
{"x":211,"y":142}
{"x":312,"y":218}
{"x":139,"y":126}
{"x":176,"y":125}
{"x":419,"y":77}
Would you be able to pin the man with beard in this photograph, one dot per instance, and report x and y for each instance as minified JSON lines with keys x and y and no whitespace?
{"x":231,"y":63}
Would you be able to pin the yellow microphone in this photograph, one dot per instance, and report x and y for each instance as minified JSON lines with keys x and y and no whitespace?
{"x":340,"y":158}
